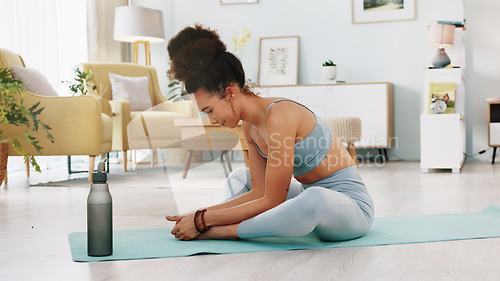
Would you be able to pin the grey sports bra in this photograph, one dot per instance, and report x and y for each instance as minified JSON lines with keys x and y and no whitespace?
{"x":311,"y":150}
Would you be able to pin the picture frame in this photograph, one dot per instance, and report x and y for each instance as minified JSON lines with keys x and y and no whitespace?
{"x":368,"y":11}
{"x":445,"y":91}
{"x":231,"y":2}
{"x":278,"y":60}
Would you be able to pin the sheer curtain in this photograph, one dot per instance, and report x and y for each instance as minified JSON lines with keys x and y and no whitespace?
{"x":50,"y":35}
{"x":100,"y":22}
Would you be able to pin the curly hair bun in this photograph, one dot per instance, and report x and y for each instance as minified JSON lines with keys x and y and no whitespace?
{"x":193,"y":50}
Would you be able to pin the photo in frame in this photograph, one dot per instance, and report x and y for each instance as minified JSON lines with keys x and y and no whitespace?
{"x":230,"y":2}
{"x":369,"y":11}
{"x":278,"y":61}
{"x":444,"y":91}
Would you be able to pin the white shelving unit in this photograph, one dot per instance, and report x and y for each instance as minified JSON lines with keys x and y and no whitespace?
{"x":442,"y":136}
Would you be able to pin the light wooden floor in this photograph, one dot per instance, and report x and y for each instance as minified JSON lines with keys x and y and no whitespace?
{"x":35,"y":222}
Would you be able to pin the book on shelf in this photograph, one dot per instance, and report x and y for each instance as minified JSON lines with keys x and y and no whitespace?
{"x":457,"y":24}
{"x":494,"y":99}
{"x":433,"y":67}
{"x":444,"y":91}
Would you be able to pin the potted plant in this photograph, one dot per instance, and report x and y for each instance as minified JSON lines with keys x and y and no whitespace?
{"x":177,"y":91}
{"x":329,"y":71}
{"x":82,"y":85}
{"x":13,"y":112}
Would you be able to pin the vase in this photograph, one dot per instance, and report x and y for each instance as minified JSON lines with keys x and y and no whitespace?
{"x":329,"y":72}
{"x":4,"y":155}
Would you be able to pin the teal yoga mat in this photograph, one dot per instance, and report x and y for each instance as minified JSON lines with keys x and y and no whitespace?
{"x":159,"y":243}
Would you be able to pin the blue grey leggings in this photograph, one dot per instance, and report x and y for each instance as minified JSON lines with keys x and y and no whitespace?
{"x":336,"y":208}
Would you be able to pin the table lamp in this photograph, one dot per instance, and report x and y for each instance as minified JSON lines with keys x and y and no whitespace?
{"x":139,"y":25}
{"x":441,"y":35}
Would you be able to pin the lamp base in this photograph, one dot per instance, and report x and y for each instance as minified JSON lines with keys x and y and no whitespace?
{"x":441,"y":59}
{"x":147,"y":52}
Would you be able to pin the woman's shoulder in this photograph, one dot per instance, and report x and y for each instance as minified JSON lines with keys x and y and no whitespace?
{"x":283,"y":115}
{"x":285,"y":110}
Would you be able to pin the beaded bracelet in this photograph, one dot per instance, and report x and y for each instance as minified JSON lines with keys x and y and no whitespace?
{"x":195,"y":225}
{"x":203,"y":220}
{"x":203,"y":227}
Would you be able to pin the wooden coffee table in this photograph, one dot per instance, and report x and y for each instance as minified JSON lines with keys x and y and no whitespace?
{"x":199,"y":134}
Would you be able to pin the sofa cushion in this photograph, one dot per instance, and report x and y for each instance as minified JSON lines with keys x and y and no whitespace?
{"x":133,"y":89}
{"x":34,"y":81}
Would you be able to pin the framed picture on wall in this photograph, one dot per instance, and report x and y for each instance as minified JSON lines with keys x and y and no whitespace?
{"x":278,"y":60}
{"x":368,"y":11}
{"x":230,"y":2}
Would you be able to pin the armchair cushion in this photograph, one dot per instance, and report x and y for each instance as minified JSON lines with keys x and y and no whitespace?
{"x":133,"y":89}
{"x":34,"y":81}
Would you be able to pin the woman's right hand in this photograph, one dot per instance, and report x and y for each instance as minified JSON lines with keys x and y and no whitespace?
{"x":171,"y":218}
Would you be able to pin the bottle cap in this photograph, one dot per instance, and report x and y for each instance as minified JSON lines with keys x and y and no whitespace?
{"x":99,"y":176}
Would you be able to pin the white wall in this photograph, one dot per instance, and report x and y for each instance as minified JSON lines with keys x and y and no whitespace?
{"x":483,"y":69}
{"x":396,"y":52}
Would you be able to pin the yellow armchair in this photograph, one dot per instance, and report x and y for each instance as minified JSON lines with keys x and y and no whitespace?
{"x":148,"y":129}
{"x":81,"y":125}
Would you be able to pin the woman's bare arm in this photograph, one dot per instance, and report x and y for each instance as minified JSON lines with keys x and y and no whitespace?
{"x":278,"y":173}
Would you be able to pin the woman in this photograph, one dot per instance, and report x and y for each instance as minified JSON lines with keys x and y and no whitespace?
{"x":285,"y":138}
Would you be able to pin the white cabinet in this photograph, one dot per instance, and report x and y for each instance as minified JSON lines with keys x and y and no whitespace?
{"x":311,"y":96}
{"x":442,"y":142}
{"x":371,"y":102}
{"x":442,"y":136}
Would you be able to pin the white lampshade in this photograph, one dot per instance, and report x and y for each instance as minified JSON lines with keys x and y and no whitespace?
{"x":135,"y":23}
{"x":441,"y":34}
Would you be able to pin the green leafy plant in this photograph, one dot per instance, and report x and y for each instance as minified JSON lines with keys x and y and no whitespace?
{"x":82,"y":85}
{"x":14,"y":112}
{"x":177,"y":91}
{"x":329,"y":63}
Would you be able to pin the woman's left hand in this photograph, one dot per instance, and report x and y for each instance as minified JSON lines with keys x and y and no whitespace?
{"x":184,"y":228}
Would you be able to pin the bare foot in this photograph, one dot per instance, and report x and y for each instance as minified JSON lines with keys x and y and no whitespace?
{"x":226,"y":232}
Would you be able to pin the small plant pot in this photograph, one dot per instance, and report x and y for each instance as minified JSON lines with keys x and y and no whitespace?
{"x":329,"y":72}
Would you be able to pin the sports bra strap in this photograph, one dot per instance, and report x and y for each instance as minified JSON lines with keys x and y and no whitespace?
{"x":278,"y":100}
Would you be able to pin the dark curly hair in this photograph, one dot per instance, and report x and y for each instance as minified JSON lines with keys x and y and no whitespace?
{"x":200,"y":59}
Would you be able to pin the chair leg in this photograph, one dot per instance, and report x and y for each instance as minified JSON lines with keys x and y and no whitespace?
{"x":352,"y":152}
{"x":228,"y":160}
{"x":91,"y":166}
{"x":125,"y":160}
{"x":188,"y":163}
{"x":154,"y":157}
{"x":28,"y":168}
{"x":107,"y":162}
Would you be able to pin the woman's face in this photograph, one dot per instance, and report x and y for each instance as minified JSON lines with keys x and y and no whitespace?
{"x":220,"y":111}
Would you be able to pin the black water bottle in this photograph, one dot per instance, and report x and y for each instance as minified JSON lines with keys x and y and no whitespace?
{"x":99,"y":215}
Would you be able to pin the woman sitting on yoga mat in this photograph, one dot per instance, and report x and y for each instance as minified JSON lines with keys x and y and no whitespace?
{"x":285,"y":138}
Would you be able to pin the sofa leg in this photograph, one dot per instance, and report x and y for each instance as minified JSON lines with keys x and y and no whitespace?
{"x":91,"y":166}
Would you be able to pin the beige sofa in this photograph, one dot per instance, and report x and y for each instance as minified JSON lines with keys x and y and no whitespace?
{"x":81,"y":125}
{"x":149,"y":129}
